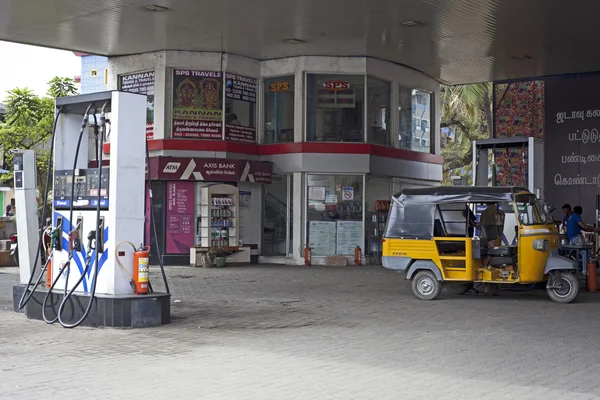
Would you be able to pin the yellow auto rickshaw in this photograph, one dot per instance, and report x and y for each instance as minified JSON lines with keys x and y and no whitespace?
{"x":434,"y":236}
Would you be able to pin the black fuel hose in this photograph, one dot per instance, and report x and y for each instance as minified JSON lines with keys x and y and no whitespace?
{"x":84,"y":123}
{"x":27,"y":294}
{"x":98,"y":237}
{"x":158,"y":249}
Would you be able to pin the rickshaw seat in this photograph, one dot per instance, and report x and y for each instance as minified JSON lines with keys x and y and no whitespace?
{"x":504,"y":255}
{"x":502,"y":251}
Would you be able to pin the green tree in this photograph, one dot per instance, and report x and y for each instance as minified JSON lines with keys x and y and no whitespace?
{"x":467,"y":111}
{"x":28,"y":125}
{"x":61,"y":87}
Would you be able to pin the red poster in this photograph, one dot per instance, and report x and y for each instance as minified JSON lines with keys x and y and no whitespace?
{"x":197,"y":104}
{"x":180,"y":217}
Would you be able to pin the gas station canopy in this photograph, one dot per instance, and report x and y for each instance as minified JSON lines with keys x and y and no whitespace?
{"x":453,"y":41}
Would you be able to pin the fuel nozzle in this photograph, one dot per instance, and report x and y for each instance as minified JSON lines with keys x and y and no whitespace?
{"x":75,"y":240}
{"x":55,"y":239}
{"x":91,"y":237}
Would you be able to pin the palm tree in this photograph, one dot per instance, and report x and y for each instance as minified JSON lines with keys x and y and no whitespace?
{"x":467,"y":111}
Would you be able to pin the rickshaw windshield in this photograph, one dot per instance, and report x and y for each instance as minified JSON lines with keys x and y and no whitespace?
{"x":530,"y":210}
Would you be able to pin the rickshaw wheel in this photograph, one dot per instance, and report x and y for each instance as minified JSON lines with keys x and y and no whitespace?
{"x":458,"y":288}
{"x":425,"y":285}
{"x":565,"y":288}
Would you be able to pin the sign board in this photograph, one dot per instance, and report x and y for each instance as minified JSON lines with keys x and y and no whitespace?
{"x":321,"y":237}
{"x":278,"y":87}
{"x":348,"y":193}
{"x":142,"y":83}
{"x":572,"y":142}
{"x":210,"y":169}
{"x":349,"y":235}
{"x":180,"y":217}
{"x":316,"y":193}
{"x":241,"y":89}
{"x":197,"y":104}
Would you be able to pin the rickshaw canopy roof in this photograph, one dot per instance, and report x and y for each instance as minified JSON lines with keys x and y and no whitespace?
{"x":459,"y":194}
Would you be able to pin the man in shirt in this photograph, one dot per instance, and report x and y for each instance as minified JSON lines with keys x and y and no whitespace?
{"x":575,"y":225}
{"x":568,"y":212}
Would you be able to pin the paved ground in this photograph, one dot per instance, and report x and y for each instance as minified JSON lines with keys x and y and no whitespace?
{"x":312,"y":333}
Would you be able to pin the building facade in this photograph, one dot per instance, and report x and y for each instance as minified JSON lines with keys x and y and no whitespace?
{"x":312,"y":143}
{"x":94,"y":73}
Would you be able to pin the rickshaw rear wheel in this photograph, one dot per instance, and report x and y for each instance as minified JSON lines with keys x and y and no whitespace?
{"x":458,"y":288}
{"x":425,"y":285}
{"x":564,"y":288}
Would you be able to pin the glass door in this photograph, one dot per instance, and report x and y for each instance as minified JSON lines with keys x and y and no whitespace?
{"x":277,"y":216}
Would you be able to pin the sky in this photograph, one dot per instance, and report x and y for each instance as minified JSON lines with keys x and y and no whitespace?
{"x":32,"y":67}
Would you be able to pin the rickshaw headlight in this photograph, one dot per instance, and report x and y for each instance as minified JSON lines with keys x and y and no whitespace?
{"x":540,"y":244}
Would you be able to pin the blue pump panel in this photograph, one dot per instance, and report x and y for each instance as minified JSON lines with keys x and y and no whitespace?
{"x":86,"y":189}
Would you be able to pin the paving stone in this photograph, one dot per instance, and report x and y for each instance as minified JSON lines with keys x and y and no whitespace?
{"x":275,"y":332}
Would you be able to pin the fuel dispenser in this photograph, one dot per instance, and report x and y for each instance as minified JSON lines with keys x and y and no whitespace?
{"x":27,"y":217}
{"x":96,"y":209}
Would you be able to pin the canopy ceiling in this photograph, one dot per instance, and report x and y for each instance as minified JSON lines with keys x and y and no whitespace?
{"x":454,"y":41}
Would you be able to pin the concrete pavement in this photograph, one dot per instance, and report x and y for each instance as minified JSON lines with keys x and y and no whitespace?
{"x":311,"y":333}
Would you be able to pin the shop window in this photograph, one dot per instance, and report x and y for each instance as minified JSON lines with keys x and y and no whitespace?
{"x":335,"y":214}
{"x":416,"y":116}
{"x":378,"y":111}
{"x":279,"y":110}
{"x":335,"y":108}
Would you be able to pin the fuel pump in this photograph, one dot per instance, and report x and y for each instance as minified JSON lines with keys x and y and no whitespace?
{"x":26,"y":214}
{"x":95,"y":209}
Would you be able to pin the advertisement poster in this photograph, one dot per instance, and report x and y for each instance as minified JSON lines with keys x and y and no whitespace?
{"x":197,"y":104}
{"x":180,"y":217}
{"x":142,"y":83}
{"x":240,"y":92}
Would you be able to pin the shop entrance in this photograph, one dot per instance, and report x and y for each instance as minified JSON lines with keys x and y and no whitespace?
{"x":277,"y":221}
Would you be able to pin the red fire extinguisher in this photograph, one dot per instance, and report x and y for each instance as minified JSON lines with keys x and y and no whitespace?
{"x":357,"y":256}
{"x":140,"y":277}
{"x":307,"y":255}
{"x":141,"y":269}
{"x":592,"y":277}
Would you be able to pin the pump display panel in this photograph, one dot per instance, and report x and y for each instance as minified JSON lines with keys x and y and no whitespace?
{"x":86,"y":189}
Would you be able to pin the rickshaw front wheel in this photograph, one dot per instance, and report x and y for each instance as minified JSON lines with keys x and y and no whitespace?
{"x":564,"y":288}
{"x":425,"y":285}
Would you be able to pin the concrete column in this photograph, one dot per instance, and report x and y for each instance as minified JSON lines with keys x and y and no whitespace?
{"x":298,"y":216}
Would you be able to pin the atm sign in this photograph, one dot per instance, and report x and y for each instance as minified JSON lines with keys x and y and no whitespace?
{"x":336,"y":85}
{"x":280,"y":87}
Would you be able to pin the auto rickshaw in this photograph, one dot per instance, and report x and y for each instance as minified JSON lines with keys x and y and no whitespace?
{"x":432,"y":235}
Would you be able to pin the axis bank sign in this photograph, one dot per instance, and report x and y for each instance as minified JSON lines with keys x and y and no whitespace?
{"x":211,"y":169}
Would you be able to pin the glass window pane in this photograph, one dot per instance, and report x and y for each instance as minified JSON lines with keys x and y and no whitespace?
{"x":415,"y":116}
{"x":275,"y":211}
{"x":335,"y":108}
{"x":279,"y":110}
{"x":378,"y":111}
{"x":335,"y":223}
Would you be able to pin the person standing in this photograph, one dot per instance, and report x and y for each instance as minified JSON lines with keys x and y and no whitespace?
{"x":575,"y":225}
{"x":9,"y":211}
{"x":568,"y":212}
